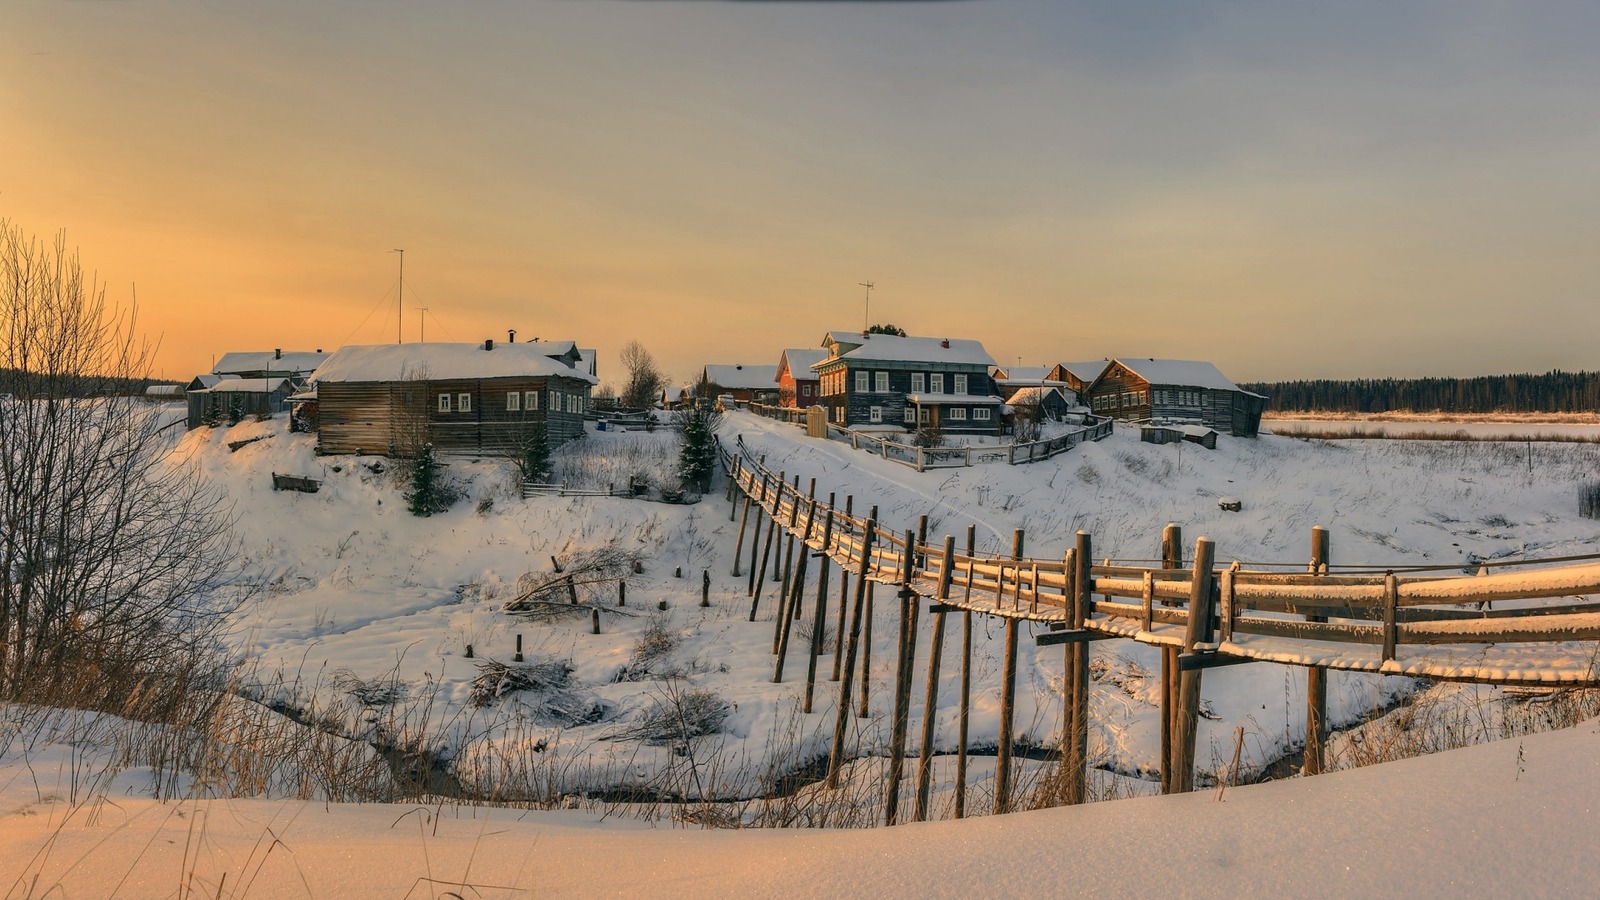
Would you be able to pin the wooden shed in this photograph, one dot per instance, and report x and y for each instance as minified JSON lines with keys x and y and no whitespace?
{"x":231,"y":399}
{"x":469,"y":398}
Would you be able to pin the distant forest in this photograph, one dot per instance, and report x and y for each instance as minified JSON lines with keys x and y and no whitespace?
{"x":1554,"y":391}
{"x":22,"y":384}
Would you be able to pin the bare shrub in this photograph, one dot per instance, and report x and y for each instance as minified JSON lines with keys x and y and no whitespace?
{"x":655,"y":643}
{"x":1589,"y":500}
{"x":676,"y":718}
{"x":588,"y":575}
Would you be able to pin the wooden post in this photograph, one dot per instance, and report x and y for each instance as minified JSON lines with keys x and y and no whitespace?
{"x":705,"y":587}
{"x":922,"y":542}
{"x":733,"y":481}
{"x":1314,"y":758}
{"x":1083,"y":588}
{"x":760,"y":510}
{"x":766,"y":551}
{"x":930,"y":701}
{"x":622,"y":593}
{"x":572,"y":591}
{"x":819,"y":616}
{"x":594,"y":618}
{"x":1008,"y":695}
{"x":785,"y":621}
{"x":866,"y":656}
{"x":786,"y":597}
{"x":964,"y":713}
{"x":836,"y":752}
{"x":1391,"y":602}
{"x":738,"y":546}
{"x":518,"y":656}
{"x":844,"y":592}
{"x":1198,"y":631}
{"x":902,"y":683}
{"x":1171,"y":558}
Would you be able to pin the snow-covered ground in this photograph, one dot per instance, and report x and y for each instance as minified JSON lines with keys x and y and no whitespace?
{"x":1513,"y":818}
{"x":365,"y":613}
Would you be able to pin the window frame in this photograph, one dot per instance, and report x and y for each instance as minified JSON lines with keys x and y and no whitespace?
{"x":463,"y":402}
{"x":444,"y":403}
{"x":863,"y":381}
{"x":957,"y":413}
{"x":982,"y":414}
{"x":960,"y":383}
{"x":513,"y":401}
{"x":936,"y":383}
{"x":880,"y":382}
{"x":918,"y":383}
{"x":875,"y":414}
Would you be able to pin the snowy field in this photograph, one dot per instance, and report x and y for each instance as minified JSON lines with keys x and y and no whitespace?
{"x":364,"y":615}
{"x":1485,"y":427}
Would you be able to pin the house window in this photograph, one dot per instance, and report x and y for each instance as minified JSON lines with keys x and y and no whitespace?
{"x":513,"y":401}
{"x":555,"y":401}
{"x":936,"y":383}
{"x":958,"y":413}
{"x":805,"y":390}
{"x":876,"y":414}
{"x":911,"y":414}
{"x":917,"y":385}
{"x":925,"y":413}
{"x":444,"y":403}
{"x":532,"y":398}
{"x":861,"y":383}
{"x":981,"y":414}
{"x":880,"y":382}
{"x":961,"y":384}
{"x":464,"y":402}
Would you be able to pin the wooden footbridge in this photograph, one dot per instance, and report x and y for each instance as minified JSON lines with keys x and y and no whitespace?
{"x":1433,"y":623}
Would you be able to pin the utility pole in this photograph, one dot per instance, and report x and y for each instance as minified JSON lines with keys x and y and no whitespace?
{"x":866,"y":315}
{"x":400,"y":299}
{"x":422,"y":325}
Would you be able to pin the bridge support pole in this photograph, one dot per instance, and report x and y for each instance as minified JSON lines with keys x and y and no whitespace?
{"x":1078,"y":758}
{"x":819,"y":617}
{"x":1008,"y":695}
{"x":738,"y":546}
{"x":789,"y":597}
{"x":1199,"y":630}
{"x":844,"y":594}
{"x":902,"y":683}
{"x":964,"y":716}
{"x":930,"y":701}
{"x":797,"y":591}
{"x":1171,"y":558}
{"x":836,"y":752}
{"x":1317,"y":676}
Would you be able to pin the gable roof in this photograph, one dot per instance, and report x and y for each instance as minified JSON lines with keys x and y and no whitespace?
{"x":800,"y":360}
{"x":893,"y":348}
{"x":1086,"y":371}
{"x":393,"y":362}
{"x":742,"y":377}
{"x":250,"y":385}
{"x":269,"y":361}
{"x":1182,"y":372}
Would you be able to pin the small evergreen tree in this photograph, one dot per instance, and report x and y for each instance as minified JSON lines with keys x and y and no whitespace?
{"x":697,"y":457}
{"x":533,"y":456}
{"x":427,"y":494}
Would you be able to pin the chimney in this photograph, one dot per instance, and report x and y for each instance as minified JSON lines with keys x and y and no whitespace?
{"x":945,"y":343}
{"x":511,"y":335}
{"x":277,"y":353}
{"x":319,"y":349}
{"x":488,"y":344}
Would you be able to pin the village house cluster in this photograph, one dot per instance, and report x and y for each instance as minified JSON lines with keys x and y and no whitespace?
{"x":488,"y":396}
{"x":886,"y":381}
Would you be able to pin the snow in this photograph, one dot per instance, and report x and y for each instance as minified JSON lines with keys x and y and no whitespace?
{"x":893,"y":348}
{"x":294,"y":361}
{"x":1087,"y":372}
{"x":975,"y":399}
{"x":351,"y":583}
{"x":1181,"y":372}
{"x":1511,"y":818}
{"x":248,"y":386}
{"x":743,"y":377}
{"x":440,"y":361}
{"x":801,"y":360}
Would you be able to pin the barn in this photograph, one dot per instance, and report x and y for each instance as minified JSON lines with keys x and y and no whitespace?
{"x":1175,"y":390}
{"x":465,"y":398}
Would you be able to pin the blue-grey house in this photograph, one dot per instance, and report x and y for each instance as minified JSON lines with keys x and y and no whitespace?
{"x":887,"y":381}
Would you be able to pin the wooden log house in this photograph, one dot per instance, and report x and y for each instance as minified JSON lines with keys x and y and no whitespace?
{"x":797,"y":381}
{"x":465,"y":398}
{"x":889,"y":381}
{"x":1175,"y":390}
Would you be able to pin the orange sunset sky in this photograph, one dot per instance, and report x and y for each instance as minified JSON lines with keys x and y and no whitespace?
{"x":1328,"y":190}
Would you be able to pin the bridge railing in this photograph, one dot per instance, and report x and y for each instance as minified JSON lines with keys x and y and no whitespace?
{"x":1386,"y":611}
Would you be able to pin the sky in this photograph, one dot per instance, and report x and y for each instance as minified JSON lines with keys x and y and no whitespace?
{"x":1289,"y":190}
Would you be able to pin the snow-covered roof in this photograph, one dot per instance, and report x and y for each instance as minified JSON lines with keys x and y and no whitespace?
{"x":1182,"y":372}
{"x":251,"y":385}
{"x":207,"y":380}
{"x":164,"y":390}
{"x":1032,"y":394}
{"x":1087,"y":371}
{"x":800,"y":361}
{"x":893,"y":348}
{"x":269,"y":361}
{"x":586,"y":360}
{"x":743,"y":377}
{"x":1020,"y":374}
{"x":395,"y":362}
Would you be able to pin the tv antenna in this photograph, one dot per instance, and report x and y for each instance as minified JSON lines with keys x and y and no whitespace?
{"x":866,"y":314}
{"x":400,"y":299}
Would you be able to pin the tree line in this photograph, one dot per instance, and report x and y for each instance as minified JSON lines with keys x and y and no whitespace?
{"x":1554,"y":391}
